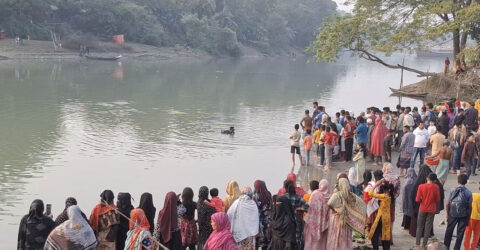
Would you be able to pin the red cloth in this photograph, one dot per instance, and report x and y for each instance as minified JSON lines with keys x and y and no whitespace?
{"x":469,"y":243}
{"x":378,"y":134}
{"x":137,"y":217}
{"x":98,"y":210}
{"x":167,"y":217}
{"x":331,"y":138}
{"x":298,"y":190}
{"x":349,"y":130}
{"x":221,"y":238}
{"x":428,"y":195}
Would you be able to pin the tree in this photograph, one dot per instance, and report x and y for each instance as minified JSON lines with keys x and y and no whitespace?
{"x":394,"y":25}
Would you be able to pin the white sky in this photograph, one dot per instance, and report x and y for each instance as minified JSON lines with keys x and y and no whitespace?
{"x":341,"y":5}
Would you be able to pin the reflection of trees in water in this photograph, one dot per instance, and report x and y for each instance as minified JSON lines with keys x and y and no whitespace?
{"x":28,"y":128}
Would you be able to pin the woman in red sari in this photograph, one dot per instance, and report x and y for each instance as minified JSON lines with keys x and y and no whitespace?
{"x":376,"y":145}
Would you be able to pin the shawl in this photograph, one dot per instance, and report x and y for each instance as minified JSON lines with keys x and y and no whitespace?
{"x":378,"y":134}
{"x":146,"y":204}
{"x":316,"y":221}
{"x":244,"y":217}
{"x":390,"y":174}
{"x":351,"y":208}
{"x":221,"y":238}
{"x":167,"y":217}
{"x":139,"y":229}
{"x":75,"y":233}
{"x":233,"y":192}
{"x":106,"y":196}
{"x":283,"y":223}
{"x":264,"y":196}
{"x":407,"y":204}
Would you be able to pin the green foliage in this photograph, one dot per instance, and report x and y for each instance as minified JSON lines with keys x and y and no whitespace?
{"x":216,"y":26}
{"x":394,"y":25}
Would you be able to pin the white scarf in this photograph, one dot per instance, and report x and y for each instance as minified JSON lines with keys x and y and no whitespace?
{"x":244,"y":217}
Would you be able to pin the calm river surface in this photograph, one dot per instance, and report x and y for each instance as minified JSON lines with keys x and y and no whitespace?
{"x":76,"y":128}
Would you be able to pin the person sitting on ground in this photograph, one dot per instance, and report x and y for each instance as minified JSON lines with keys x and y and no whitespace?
{"x":74,"y":233}
{"x":215,"y":202}
{"x":313,"y":186}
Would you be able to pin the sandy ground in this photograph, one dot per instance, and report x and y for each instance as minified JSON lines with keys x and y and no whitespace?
{"x":401,"y":238}
{"x":33,"y":49}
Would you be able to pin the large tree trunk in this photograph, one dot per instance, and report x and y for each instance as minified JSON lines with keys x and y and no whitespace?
{"x":456,"y":46}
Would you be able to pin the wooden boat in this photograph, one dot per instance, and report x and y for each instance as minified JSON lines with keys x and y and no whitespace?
{"x":409,"y":94}
{"x":100,"y":58}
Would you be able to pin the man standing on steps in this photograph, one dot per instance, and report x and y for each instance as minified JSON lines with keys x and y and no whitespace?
{"x":459,"y":208}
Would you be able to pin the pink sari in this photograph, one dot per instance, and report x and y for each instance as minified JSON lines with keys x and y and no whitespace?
{"x":221,"y":238}
{"x":378,"y":134}
{"x":316,"y":221}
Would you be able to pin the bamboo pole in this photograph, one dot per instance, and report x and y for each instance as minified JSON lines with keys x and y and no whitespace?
{"x":128,"y":218}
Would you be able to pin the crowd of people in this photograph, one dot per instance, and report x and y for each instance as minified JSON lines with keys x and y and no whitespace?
{"x":359,"y":206}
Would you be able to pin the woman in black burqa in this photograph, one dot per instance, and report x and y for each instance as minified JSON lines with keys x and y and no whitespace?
{"x":283,"y":225}
{"x":124,"y":206}
{"x":34,"y":227}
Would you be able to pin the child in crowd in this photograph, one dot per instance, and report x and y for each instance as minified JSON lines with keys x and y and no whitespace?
{"x":295,"y":144}
{"x":321,"y":145}
{"x":313,"y":186}
{"x":431,"y":128}
{"x":330,"y":142}
{"x":215,"y":202}
{"x":387,"y":146}
{"x":307,"y":143}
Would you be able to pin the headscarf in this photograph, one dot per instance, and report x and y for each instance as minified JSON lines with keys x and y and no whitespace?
{"x":221,"y":238}
{"x":204,"y":212}
{"x":244,"y":217}
{"x":124,"y":203}
{"x":298,"y":190}
{"x":264,"y":196}
{"x":283,"y":223}
{"x":139,"y":229}
{"x":74,"y":233}
{"x":36,"y":211}
{"x":390,"y":174}
{"x":167,"y":217}
{"x":102,"y":208}
{"x":351,"y":208}
{"x":146,"y":204}
{"x":316,"y":221}
{"x":233,"y":192}
{"x":407,"y":204}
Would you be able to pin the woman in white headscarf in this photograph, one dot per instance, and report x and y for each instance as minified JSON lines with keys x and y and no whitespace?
{"x":75,"y":233}
{"x":243,"y":215}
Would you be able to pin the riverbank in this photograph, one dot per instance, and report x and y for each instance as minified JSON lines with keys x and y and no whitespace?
{"x":33,"y":49}
{"x":463,"y":86}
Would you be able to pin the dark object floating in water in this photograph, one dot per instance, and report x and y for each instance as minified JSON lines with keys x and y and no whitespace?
{"x":408,"y":94}
{"x":115,"y":58}
{"x":231,"y":131}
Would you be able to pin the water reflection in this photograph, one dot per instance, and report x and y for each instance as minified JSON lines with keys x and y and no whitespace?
{"x":141,"y":126}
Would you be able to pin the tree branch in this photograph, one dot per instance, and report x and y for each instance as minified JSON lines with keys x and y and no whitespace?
{"x":371,"y":57}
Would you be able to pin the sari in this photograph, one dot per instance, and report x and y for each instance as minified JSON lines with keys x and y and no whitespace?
{"x":75,"y":233}
{"x":104,"y":220}
{"x":348,"y":214}
{"x":221,"y":238}
{"x":316,"y":221}
{"x":233,"y":192}
{"x":139,"y":234}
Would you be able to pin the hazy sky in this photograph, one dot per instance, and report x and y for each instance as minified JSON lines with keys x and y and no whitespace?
{"x":341,"y":5}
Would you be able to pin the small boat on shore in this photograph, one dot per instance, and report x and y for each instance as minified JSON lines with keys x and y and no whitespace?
{"x":408,"y":94}
{"x":101,"y":58}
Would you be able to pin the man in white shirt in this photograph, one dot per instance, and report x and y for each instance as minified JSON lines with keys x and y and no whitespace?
{"x":421,"y":140}
{"x":408,"y":118}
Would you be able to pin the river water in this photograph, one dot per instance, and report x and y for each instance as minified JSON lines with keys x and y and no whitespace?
{"x":76,"y":128}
